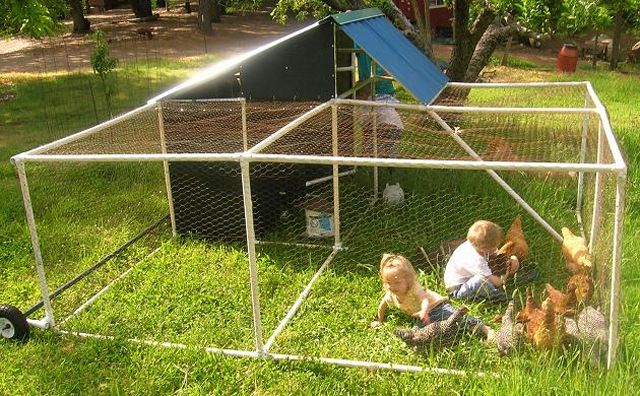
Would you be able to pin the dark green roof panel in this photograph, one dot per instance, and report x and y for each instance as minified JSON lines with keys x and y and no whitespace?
{"x":356,"y":15}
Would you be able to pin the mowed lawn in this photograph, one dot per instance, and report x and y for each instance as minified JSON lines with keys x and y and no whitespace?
{"x":196,"y":293}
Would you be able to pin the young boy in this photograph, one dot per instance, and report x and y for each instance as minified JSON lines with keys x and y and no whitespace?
{"x":467,"y":275}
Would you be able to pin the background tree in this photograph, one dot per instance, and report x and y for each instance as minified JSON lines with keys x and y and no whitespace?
{"x":625,"y":15}
{"x":103,"y":64}
{"x":35,"y":18}
{"x":205,"y":9}
{"x":80,"y":23}
{"x":141,"y":8}
{"x":477,"y":28}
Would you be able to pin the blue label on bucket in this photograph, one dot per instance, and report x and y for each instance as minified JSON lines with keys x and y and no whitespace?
{"x":325,"y":223}
{"x":319,"y":224}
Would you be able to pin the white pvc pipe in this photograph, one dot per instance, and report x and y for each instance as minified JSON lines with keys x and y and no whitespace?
{"x":328,"y":160}
{"x":604,"y":117}
{"x":86,"y":132}
{"x":173,"y":345}
{"x":376,"y":173}
{"x":335,"y":60}
{"x":296,"y":305}
{"x":309,"y":245}
{"x":336,"y":177}
{"x":583,"y":156}
{"x":204,"y":100}
{"x":376,"y":365}
{"x":93,"y":298}
{"x":327,"y":178}
{"x":292,"y":358}
{"x":470,"y":109}
{"x":497,"y":178}
{"x":39,"y":324}
{"x":433,"y":164}
{"x":195,"y":157}
{"x":614,"y":303}
{"x":245,"y":138}
{"x":165,"y":168}
{"x":517,"y":85}
{"x":35,"y":243}
{"x":352,"y":91}
{"x":599,"y":191}
{"x":251,"y":250}
{"x":290,"y":126}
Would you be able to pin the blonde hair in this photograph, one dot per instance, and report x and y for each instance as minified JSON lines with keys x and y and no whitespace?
{"x":485,"y":234}
{"x":397,"y":263}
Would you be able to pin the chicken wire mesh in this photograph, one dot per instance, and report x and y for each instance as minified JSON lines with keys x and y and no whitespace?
{"x":516,"y":95}
{"x":85,"y":211}
{"x":385,"y":131}
{"x":207,"y":299}
{"x":430,"y":222}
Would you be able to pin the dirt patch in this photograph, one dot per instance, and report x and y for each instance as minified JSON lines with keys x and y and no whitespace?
{"x":173,"y":35}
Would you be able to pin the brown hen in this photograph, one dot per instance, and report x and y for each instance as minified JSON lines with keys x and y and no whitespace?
{"x":575,"y":252}
{"x":530,"y":315}
{"x":550,"y":333}
{"x":563,"y":304}
{"x":515,"y":244}
{"x":583,"y":287}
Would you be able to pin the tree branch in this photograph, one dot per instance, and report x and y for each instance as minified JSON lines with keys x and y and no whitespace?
{"x":345,"y":5}
{"x":480,"y":25}
{"x":400,"y":21}
{"x":462,"y":48}
{"x":492,"y":36}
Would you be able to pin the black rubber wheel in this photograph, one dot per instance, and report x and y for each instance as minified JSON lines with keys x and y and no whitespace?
{"x":13,"y":324}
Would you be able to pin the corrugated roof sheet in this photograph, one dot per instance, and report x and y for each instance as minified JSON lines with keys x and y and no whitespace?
{"x":397,"y":55}
{"x":355,"y":15}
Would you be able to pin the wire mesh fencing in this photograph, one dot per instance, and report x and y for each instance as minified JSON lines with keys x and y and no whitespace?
{"x":312,"y":208}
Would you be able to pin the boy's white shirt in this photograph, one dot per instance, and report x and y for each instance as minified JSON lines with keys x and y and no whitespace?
{"x":464,"y":263}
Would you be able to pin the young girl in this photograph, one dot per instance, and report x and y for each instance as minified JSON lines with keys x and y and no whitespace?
{"x":403,"y":291}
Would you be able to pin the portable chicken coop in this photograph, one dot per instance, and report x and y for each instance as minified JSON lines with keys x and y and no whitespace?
{"x":240,"y":168}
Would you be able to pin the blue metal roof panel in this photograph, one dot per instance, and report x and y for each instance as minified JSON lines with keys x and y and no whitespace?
{"x":398,"y":56}
{"x":355,"y":15}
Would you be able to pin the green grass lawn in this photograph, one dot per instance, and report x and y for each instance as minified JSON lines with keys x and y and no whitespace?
{"x":196,"y":293}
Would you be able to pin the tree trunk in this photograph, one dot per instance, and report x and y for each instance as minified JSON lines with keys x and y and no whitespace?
{"x":461,"y":48}
{"x":141,"y":8}
{"x":424,"y":26}
{"x":204,"y":16}
{"x":466,"y":39}
{"x":618,"y":24}
{"x":80,"y":23}
{"x":403,"y":23}
{"x":494,"y":34}
{"x":215,"y":11}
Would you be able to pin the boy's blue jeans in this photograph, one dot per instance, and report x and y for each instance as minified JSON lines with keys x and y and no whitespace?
{"x":443,"y":311}
{"x":476,"y":288}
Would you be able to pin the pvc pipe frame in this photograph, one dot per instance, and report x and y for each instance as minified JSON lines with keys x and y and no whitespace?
{"x":49,"y":319}
{"x":497,"y":178}
{"x":165,"y":167}
{"x":618,"y":168}
{"x":287,"y":357}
